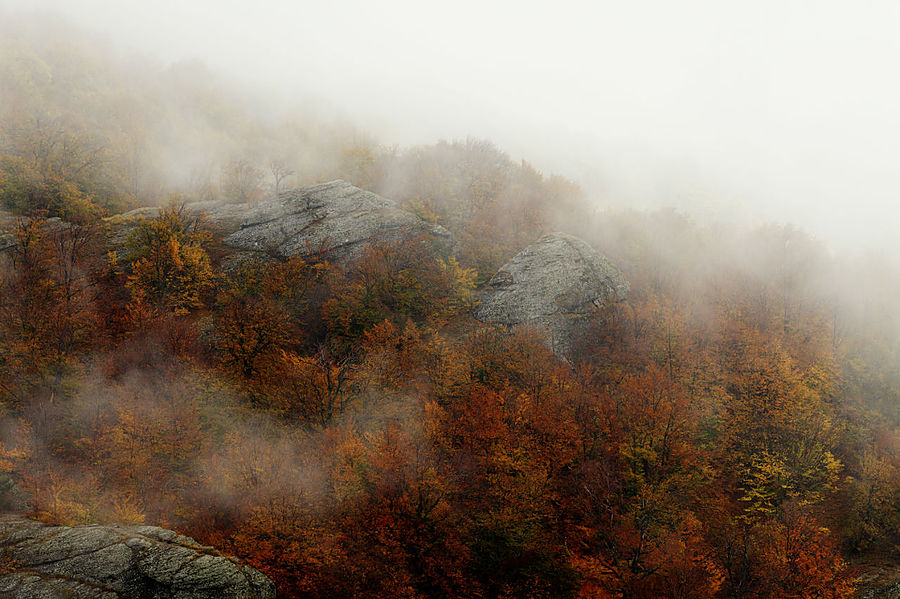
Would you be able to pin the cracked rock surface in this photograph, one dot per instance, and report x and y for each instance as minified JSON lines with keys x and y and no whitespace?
{"x":554,"y":285}
{"x":117,"y":562}
{"x":335,"y":220}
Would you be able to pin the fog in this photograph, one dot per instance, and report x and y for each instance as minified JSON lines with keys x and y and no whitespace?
{"x":768,"y":110}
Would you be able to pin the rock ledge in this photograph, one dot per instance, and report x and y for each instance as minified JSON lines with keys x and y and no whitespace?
{"x":117,"y":562}
{"x":335,"y":220}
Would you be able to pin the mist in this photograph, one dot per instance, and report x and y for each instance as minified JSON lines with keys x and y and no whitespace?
{"x":775,"y":111}
{"x":603,"y":304}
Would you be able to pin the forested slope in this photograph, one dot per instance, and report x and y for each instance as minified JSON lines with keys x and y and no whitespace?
{"x":729,"y":430}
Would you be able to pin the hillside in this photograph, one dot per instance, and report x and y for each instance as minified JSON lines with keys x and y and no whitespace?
{"x":292,"y":371}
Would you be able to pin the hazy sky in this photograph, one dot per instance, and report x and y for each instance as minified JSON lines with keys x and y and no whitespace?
{"x":785,"y":109}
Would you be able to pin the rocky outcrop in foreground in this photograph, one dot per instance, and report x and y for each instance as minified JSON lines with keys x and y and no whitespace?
{"x":554,"y":285}
{"x":117,"y":562}
{"x":335,"y":220}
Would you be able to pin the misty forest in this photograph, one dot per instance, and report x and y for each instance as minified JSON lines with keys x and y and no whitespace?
{"x":266,"y":351}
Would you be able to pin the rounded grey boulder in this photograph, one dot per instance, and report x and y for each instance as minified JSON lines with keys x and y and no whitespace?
{"x":554,"y":285}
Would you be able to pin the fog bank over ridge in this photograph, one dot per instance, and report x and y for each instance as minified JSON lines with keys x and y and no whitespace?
{"x":775,"y":110}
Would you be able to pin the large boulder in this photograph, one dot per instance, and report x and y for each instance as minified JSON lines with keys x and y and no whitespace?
{"x":554,"y":285}
{"x":117,"y":562}
{"x":334,"y":220}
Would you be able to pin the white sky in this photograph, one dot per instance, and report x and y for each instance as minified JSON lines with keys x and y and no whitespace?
{"x":776,"y":109}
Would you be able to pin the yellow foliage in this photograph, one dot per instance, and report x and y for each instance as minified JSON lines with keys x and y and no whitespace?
{"x":170,"y":267}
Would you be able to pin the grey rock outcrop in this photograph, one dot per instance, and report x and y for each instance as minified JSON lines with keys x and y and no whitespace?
{"x":117,"y":562}
{"x":553,"y":285}
{"x":335,"y":220}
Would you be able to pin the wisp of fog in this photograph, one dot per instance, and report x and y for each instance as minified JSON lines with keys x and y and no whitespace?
{"x":781,"y":111}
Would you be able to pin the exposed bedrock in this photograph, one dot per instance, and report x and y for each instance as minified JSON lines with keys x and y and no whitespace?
{"x":554,"y":285}
{"x":335,"y":220}
{"x":117,"y":562}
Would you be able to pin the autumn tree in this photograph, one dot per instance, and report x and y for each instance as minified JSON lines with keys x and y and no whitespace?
{"x":241,"y":182}
{"x":49,"y":165}
{"x":258,"y":309}
{"x":47,"y":301}
{"x":170,"y":268}
{"x":394,"y":282}
{"x":315,"y":388}
{"x":779,"y":431}
{"x":281,"y":173}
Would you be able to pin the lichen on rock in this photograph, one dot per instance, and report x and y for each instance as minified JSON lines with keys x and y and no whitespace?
{"x":554,"y":285}
{"x":335,"y":220}
{"x":118,"y":562}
